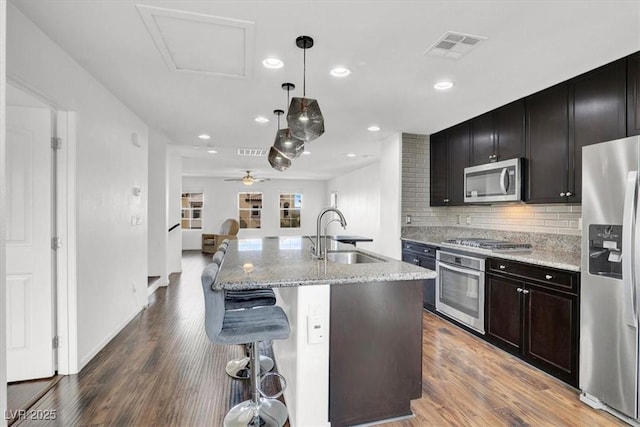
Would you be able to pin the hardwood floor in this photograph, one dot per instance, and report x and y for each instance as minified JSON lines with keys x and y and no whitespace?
{"x":161,"y":370}
{"x":23,"y":394}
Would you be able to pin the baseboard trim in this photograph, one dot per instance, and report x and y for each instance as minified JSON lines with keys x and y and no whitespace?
{"x":85,"y":360}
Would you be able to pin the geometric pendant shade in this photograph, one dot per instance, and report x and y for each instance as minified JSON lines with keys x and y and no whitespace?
{"x":305,"y":119}
{"x":287,"y":144}
{"x":277,"y":160}
{"x":304,"y":116}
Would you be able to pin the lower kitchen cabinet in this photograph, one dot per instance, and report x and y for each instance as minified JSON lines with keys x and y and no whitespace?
{"x":533,"y":312}
{"x":424,"y":256}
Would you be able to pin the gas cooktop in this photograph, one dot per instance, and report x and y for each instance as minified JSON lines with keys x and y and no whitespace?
{"x":491,"y":244}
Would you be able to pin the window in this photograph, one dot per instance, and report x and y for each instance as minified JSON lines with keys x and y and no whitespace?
{"x":250,"y":210}
{"x":290,"y":207}
{"x":191,"y":211}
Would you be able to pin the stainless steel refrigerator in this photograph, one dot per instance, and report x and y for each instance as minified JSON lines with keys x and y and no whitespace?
{"x":610,"y":276}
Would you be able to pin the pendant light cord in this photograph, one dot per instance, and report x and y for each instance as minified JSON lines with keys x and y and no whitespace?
{"x":304,"y":72}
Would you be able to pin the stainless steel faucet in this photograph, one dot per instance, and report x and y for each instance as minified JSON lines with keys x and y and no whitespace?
{"x":319,"y":251}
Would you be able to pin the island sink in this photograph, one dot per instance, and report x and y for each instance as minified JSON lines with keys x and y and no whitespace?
{"x":351,"y":257}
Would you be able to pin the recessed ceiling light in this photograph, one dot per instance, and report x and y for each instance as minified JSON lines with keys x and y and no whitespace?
{"x":351,"y":155}
{"x":204,"y":136}
{"x":443,"y":85}
{"x":340,"y":72}
{"x":306,"y":153}
{"x":273,"y":63}
{"x":212,"y":151}
{"x":261,"y":119}
{"x":373,"y":128}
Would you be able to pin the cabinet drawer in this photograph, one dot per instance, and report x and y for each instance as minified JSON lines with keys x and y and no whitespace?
{"x":549,"y":277}
{"x":419,"y":249}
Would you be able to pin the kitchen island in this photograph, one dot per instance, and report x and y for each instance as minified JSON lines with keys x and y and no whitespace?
{"x":355,"y":350}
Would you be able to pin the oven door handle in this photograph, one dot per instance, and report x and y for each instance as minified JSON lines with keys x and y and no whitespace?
{"x":461,"y":270}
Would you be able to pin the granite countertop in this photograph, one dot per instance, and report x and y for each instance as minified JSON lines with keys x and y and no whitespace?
{"x":563,"y":259}
{"x":286,"y":261}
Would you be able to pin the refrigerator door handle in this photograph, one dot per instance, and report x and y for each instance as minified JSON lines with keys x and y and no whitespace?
{"x":628,"y":249}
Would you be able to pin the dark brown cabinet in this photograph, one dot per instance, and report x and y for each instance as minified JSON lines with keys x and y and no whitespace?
{"x":439,"y":169}
{"x":424,"y":256}
{"x":498,"y":135}
{"x":597,"y":114}
{"x":547,"y":140}
{"x":458,"y":144}
{"x":633,"y":94}
{"x":449,"y":151}
{"x":533,"y":312}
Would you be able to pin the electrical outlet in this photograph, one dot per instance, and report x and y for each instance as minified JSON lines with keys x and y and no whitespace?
{"x":459,"y":219}
{"x":468,"y":220}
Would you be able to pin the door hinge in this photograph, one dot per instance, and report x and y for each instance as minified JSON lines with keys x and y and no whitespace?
{"x":56,"y":143}
{"x":56,"y":342}
{"x":56,"y":243}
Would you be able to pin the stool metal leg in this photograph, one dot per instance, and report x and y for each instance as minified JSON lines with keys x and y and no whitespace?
{"x":257,"y":411}
{"x":239,"y":368}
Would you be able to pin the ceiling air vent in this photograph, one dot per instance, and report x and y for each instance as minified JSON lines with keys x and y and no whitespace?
{"x":252,"y":152}
{"x":454,"y":45}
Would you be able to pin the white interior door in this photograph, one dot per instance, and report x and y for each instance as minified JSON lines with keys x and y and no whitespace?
{"x":29,"y":256}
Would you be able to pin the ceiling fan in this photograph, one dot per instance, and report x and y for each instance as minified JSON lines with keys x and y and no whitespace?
{"x":248,"y":179}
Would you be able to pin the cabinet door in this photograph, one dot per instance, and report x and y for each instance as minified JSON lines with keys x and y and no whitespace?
{"x":482,"y":144}
{"x":458,"y":143}
{"x":504,"y":312}
{"x":551,"y":331}
{"x":633,"y":94}
{"x":547,"y":145}
{"x":599,"y":110}
{"x":509,"y":131}
{"x":439,"y":169}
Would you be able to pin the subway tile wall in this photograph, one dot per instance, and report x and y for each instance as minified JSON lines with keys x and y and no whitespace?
{"x":552,"y":218}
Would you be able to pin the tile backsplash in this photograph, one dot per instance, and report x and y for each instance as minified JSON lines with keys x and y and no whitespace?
{"x":551,"y":218}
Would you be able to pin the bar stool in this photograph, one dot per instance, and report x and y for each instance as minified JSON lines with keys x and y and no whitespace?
{"x":240,"y":300}
{"x":244,"y":327}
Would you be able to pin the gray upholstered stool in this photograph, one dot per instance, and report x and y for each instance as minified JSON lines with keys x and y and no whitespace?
{"x":244,"y":327}
{"x":240,"y":300}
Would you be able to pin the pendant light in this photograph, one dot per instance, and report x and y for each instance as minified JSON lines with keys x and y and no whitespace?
{"x":277,"y":160}
{"x":287,"y":144}
{"x":304,"y":117}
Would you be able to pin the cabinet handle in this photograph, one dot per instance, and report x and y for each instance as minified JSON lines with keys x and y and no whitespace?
{"x":562,"y":194}
{"x":446,"y":200}
{"x":519,"y":289}
{"x":502,"y":267}
{"x":548,"y":277}
{"x":524,"y":291}
{"x":415,"y":261}
{"x":569,"y":194}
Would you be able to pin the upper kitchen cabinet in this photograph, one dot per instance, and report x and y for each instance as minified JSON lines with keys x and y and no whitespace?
{"x":482,"y":139}
{"x":498,"y":135}
{"x":458,"y":143}
{"x":597,"y":114}
{"x":547,"y":145}
{"x":449,"y":151}
{"x":633,"y":94}
{"x":439,"y":169}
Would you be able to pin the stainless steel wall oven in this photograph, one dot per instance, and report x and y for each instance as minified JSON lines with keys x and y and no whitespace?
{"x":460,"y":288}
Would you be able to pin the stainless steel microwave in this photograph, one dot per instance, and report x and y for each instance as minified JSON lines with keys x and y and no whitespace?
{"x":494,"y":182}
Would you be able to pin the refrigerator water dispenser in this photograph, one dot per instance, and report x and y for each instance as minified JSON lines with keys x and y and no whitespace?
{"x":605,"y":250}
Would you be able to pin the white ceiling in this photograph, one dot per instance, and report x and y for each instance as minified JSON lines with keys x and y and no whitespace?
{"x":530,"y":45}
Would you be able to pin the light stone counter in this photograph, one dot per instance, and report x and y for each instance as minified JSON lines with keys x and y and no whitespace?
{"x":286,"y":261}
{"x":555,"y":251}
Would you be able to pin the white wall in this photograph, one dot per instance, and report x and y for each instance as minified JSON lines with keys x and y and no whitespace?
{"x":158,"y":221}
{"x":174,"y":186}
{"x":390,"y":196}
{"x":370,"y":199}
{"x":3,"y":271}
{"x":112,"y":253}
{"x":221,"y":202}
{"x":359,"y":201}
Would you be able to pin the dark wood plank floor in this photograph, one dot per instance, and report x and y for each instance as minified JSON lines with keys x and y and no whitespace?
{"x":161,"y":370}
{"x":22,"y":395}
